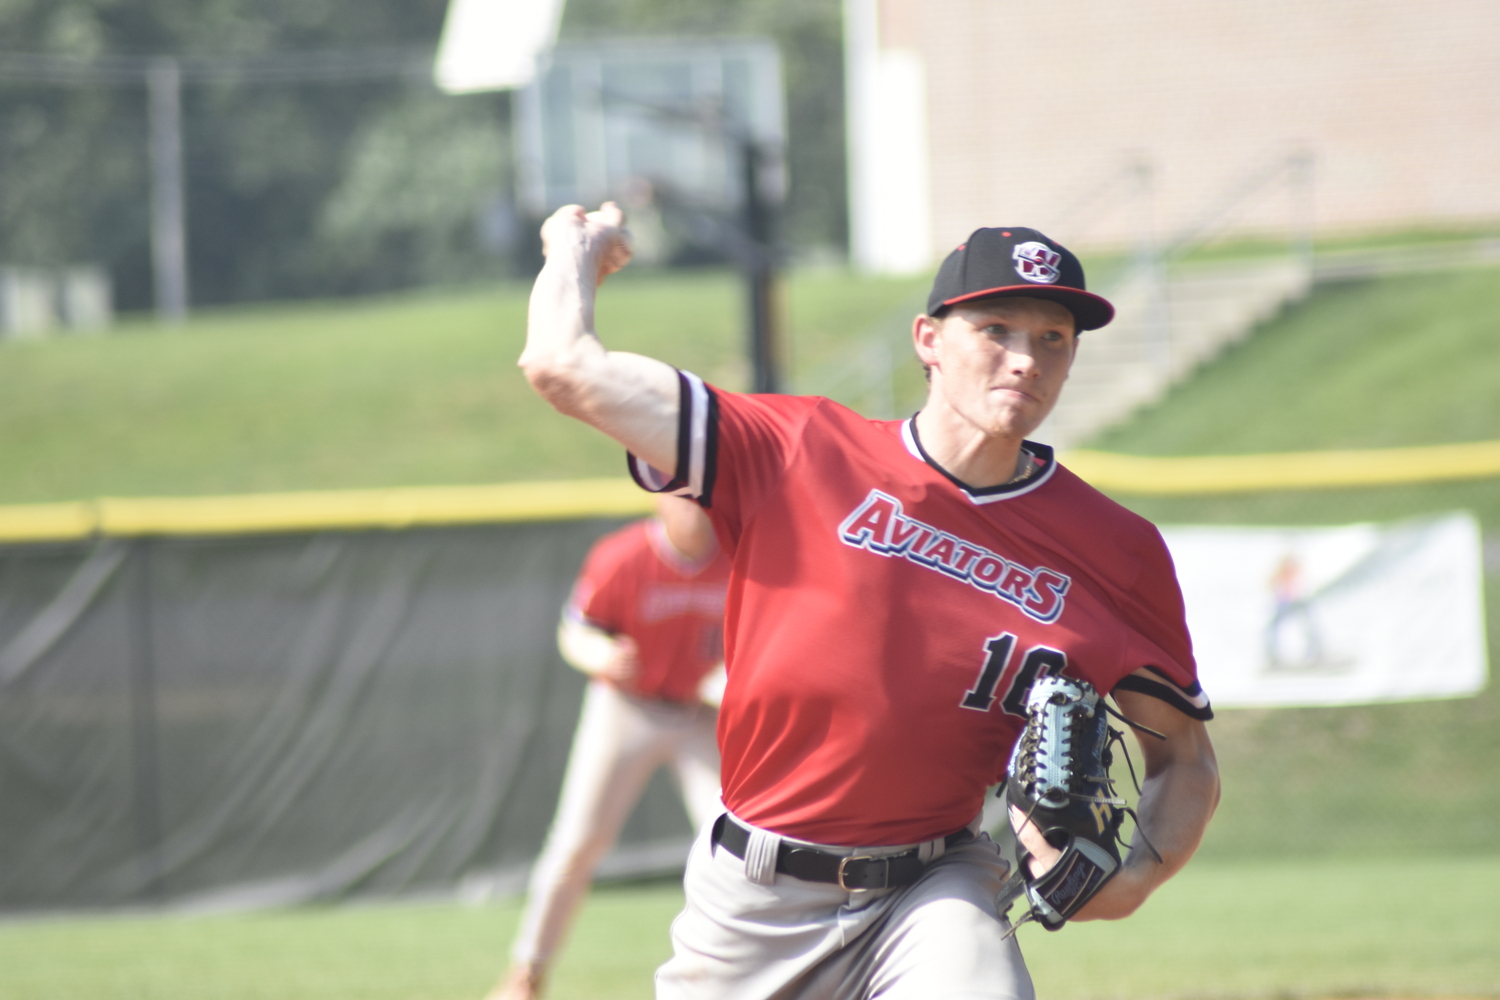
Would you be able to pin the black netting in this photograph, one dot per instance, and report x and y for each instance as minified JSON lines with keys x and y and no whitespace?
{"x":290,"y":717}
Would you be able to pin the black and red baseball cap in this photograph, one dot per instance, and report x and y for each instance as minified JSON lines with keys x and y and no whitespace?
{"x":1013,"y":261}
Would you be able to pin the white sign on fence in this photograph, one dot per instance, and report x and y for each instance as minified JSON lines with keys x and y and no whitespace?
{"x":1334,"y":616}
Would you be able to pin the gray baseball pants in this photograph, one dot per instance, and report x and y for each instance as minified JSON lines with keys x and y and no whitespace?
{"x":751,"y":933}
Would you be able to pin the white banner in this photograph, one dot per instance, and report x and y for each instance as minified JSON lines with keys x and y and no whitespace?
{"x":1334,"y":616}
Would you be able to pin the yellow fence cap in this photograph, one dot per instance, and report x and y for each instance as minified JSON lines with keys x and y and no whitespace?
{"x":354,"y":510}
{"x":333,"y":510}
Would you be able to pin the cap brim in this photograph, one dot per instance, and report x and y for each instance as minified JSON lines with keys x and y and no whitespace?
{"x":1089,"y":311}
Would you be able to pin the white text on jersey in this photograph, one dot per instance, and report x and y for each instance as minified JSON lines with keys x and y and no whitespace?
{"x":878,"y":525}
{"x":661,"y":601}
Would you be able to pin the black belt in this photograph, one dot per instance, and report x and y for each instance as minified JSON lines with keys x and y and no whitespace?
{"x":851,"y":873}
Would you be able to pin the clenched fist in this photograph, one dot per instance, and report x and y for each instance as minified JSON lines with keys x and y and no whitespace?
{"x":601,"y":235}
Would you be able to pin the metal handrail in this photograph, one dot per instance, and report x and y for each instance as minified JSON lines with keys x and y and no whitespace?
{"x":1297,"y":166}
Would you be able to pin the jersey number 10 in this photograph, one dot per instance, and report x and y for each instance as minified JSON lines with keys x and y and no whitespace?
{"x":1038,"y":660}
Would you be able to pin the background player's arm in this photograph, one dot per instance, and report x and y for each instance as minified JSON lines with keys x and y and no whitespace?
{"x":632,"y":398}
{"x":711,"y":687}
{"x":595,"y":652}
{"x":1178,"y":796}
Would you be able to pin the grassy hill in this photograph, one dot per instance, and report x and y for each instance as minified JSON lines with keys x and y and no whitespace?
{"x":404,"y":391}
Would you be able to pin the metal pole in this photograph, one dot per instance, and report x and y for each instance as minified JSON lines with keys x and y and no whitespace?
{"x":761,"y":275}
{"x":143,"y":726}
{"x":168,"y":212}
{"x":880,"y":380}
{"x":1150,"y":266}
{"x":1303,"y":208}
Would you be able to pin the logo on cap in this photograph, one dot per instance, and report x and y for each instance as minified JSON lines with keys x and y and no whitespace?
{"x":1037,"y":262}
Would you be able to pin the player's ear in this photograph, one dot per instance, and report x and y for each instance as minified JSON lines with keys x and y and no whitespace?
{"x":926,"y":333}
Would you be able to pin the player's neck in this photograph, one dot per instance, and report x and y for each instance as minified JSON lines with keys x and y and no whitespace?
{"x":966,"y":452}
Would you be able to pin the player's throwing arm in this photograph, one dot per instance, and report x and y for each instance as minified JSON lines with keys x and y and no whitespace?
{"x":633,"y":399}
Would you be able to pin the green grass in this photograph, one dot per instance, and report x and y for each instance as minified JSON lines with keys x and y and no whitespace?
{"x":430,"y":951}
{"x":1419,"y":927}
{"x":1394,"y":361}
{"x":405,"y":391}
{"x":422,"y":389}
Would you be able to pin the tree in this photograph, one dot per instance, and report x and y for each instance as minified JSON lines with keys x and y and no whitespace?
{"x":303,"y":189}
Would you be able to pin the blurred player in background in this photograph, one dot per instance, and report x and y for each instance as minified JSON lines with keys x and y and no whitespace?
{"x":645,"y":622}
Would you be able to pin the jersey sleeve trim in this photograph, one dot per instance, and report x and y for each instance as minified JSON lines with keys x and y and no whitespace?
{"x":697,"y":423}
{"x":1149,"y":680}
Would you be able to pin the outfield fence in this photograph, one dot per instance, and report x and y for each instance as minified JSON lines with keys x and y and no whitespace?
{"x":204,"y":713}
{"x":271,"y":699}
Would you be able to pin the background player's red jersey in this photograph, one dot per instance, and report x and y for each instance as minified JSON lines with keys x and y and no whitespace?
{"x":884,"y":621}
{"x":635,"y":583}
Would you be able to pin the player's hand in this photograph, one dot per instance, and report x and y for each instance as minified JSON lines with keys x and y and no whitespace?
{"x":625,"y":666}
{"x":601,"y":234}
{"x":1043,"y":854}
{"x":1107,"y":902}
{"x":711,"y":687}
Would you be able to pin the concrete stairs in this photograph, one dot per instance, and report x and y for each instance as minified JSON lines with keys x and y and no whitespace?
{"x":1163,"y":330}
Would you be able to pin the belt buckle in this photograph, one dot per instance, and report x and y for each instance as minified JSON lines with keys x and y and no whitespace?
{"x":862,"y":857}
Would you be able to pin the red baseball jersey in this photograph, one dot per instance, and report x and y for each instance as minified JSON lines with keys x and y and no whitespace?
{"x":635,"y":583}
{"x":884,"y":620}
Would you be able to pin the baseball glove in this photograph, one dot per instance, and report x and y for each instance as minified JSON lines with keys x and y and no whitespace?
{"x":1059,"y":779}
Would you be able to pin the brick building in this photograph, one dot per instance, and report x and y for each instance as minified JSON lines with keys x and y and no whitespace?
{"x":1100,"y":121}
